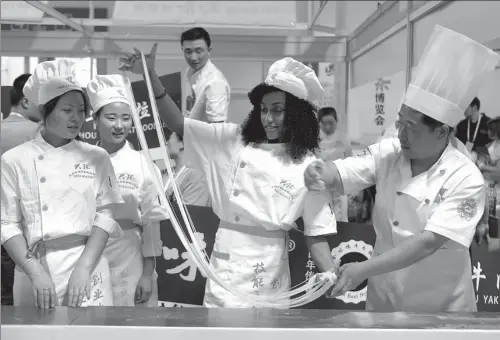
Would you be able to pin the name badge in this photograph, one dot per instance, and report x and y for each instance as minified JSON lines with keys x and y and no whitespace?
{"x":469,"y":146}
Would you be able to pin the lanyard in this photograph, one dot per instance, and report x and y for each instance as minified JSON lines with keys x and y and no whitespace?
{"x":475,"y":132}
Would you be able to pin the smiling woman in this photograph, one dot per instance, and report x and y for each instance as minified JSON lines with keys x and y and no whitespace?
{"x":131,"y":256}
{"x":264,"y":160}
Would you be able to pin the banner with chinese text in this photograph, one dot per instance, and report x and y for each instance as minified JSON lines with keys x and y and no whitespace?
{"x":180,"y":284}
{"x":372,"y":107}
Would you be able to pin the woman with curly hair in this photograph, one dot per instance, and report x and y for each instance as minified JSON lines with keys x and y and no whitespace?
{"x":254,"y":173}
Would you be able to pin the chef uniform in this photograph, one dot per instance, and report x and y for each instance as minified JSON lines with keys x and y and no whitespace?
{"x":142,"y":212}
{"x":258,"y":193}
{"x":208,"y":102}
{"x":211,"y":94}
{"x":53,"y":197}
{"x":448,"y":199}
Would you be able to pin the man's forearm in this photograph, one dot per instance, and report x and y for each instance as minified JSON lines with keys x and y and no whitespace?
{"x":320,"y":253}
{"x":405,"y":254}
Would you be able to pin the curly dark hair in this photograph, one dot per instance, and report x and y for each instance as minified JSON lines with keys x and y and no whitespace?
{"x":300,"y":130}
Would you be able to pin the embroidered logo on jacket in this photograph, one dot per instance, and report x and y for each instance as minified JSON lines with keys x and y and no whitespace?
{"x":83,"y":170}
{"x":468,"y":209}
{"x":285,"y":189}
{"x":127,"y":181}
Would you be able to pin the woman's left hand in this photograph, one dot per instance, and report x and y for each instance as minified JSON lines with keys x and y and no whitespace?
{"x":79,"y":286}
{"x":144,"y":289}
{"x":351,"y":276}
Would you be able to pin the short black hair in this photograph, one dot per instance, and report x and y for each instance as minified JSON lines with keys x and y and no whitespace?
{"x":475,"y":102}
{"x":326,"y":111}
{"x":16,"y":92}
{"x":301,"y":127}
{"x":196,"y":33}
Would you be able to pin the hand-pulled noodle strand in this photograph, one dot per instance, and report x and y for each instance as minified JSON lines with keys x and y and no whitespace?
{"x":308,"y":290}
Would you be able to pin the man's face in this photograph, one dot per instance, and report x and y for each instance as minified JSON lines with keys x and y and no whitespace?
{"x":471,"y":111}
{"x":418,"y":140}
{"x":196,"y":53}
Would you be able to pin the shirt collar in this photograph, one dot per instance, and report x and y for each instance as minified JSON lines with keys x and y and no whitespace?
{"x":40,"y":141}
{"x":194,"y":77}
{"x":126,"y":147}
{"x":17,"y":114}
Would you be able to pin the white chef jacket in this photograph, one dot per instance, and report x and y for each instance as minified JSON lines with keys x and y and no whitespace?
{"x":255,"y":185}
{"x":211,"y":92}
{"x":52,"y":192}
{"x":142,"y":201}
{"x":448,"y":200}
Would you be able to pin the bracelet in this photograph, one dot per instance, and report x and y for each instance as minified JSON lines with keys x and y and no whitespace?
{"x":161,"y":95}
{"x":25,"y":262}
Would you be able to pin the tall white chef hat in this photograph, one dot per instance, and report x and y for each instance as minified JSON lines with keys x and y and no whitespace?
{"x":447,"y":74}
{"x":51,"y":79}
{"x":106,"y":89}
{"x":295,"y":78}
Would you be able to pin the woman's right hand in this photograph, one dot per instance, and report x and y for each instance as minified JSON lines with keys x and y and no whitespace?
{"x":132,"y":62}
{"x":44,"y":290}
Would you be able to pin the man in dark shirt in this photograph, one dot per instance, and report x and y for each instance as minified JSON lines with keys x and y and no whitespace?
{"x":473,"y":131}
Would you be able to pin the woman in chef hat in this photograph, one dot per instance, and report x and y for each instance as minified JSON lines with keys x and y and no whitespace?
{"x":131,"y":257}
{"x":57,"y":195}
{"x":254,"y":175}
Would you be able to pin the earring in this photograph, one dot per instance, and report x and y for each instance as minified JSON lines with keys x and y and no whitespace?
{"x":94,"y":124}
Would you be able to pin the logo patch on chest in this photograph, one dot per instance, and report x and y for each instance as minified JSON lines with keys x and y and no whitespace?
{"x":127,"y":181}
{"x":286,"y":189}
{"x":83,"y":170}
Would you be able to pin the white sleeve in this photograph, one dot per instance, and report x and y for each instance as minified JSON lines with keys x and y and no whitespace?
{"x":149,"y":199}
{"x":458,"y":214}
{"x":11,"y":215}
{"x":108,"y":194}
{"x":318,"y":215}
{"x":217,"y":101}
{"x":204,"y":141}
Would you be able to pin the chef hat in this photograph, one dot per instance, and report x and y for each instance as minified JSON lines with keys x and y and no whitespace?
{"x":295,"y":78}
{"x":51,"y":79}
{"x":107,"y":89}
{"x":447,"y":74}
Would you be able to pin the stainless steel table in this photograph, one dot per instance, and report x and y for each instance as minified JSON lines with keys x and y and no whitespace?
{"x":138,"y":323}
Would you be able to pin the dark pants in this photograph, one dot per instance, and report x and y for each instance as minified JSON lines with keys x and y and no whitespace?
{"x":7,"y":278}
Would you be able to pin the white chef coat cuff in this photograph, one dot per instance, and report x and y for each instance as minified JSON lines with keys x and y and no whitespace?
{"x":349,"y":186}
{"x":322,"y":230}
{"x":105,"y":222}
{"x":152,"y":250}
{"x":151,"y":240}
{"x":10,"y":230}
{"x":446,"y":232}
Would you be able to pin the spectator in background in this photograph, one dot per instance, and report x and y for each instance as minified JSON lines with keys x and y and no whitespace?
{"x":473,"y":130}
{"x":207,"y":102}
{"x":332,"y":148}
{"x":17,"y":128}
{"x":21,"y":124}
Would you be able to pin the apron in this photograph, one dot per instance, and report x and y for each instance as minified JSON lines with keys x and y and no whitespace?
{"x":126,"y":266}
{"x":259,"y":265}
{"x":59,"y":256}
{"x":440,"y":282}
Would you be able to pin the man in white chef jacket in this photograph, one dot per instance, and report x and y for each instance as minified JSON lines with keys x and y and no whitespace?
{"x":207,"y":100}
{"x":430,"y":197}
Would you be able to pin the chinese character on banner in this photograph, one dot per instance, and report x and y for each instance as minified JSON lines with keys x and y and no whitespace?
{"x":188,"y":263}
{"x":310,"y":266}
{"x":381,"y":85}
